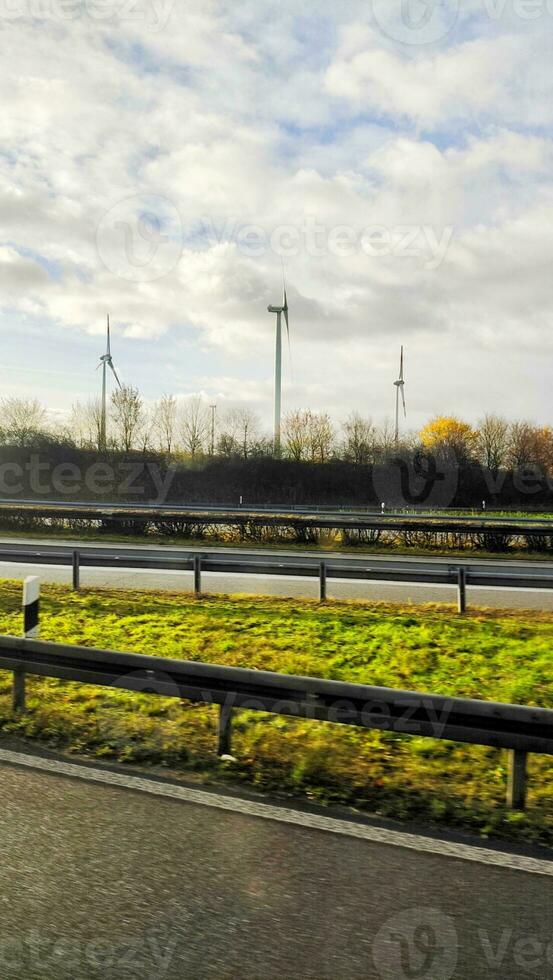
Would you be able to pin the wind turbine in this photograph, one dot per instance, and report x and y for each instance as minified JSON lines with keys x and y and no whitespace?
{"x":400,"y":387}
{"x":279,"y":310}
{"x":106,"y":361}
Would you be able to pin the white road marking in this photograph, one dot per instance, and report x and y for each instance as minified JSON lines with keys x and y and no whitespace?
{"x":297,"y":818}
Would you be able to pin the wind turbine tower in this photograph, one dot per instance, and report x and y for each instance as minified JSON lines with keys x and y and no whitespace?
{"x":400,"y":388}
{"x":279,"y":310}
{"x":106,"y":361}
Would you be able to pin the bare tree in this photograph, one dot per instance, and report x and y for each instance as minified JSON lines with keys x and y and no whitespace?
{"x":308,"y":435}
{"x":145,"y":435}
{"x":522,"y":444}
{"x":22,"y":419}
{"x":194,"y":426}
{"x":227,"y":445}
{"x":321,"y":437}
{"x":85,"y":424}
{"x":242,"y":427}
{"x":296,"y":434}
{"x":385,"y":442}
{"x":127,"y":416}
{"x":359,"y":440}
{"x":164,"y":423}
{"x":493,"y":441}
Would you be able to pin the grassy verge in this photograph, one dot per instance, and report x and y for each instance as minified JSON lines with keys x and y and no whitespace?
{"x":328,"y":544}
{"x":493,"y":655}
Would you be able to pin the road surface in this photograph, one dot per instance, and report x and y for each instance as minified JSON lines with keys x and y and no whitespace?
{"x":263,"y":584}
{"x":124,"y":878}
{"x":245,"y":509}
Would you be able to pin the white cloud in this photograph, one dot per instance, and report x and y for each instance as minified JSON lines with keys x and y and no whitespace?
{"x":253,"y":114}
{"x":430,"y":87}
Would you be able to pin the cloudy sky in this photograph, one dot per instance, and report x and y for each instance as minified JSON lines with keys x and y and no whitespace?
{"x":161,"y":160}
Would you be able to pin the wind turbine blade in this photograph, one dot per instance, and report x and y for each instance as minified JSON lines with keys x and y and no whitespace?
{"x":403,"y":400}
{"x":115,"y":375}
{"x":109,"y":339}
{"x":401,"y":366}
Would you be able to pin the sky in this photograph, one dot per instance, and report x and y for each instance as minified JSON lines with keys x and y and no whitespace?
{"x":163,"y":161}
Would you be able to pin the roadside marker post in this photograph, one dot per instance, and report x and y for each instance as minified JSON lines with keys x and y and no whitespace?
{"x":31,"y":615}
{"x":31,"y":607}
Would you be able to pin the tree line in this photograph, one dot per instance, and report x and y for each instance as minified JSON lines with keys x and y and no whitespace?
{"x":193,"y":430}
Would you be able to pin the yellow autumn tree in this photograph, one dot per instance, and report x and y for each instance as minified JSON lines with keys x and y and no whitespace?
{"x":544,"y":448}
{"x":448,"y":434}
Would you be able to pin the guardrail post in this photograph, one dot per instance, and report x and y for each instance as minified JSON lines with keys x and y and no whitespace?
{"x":322,"y":581}
{"x":197,"y":575}
{"x":516,"y":787}
{"x":76,"y":571}
{"x":462,"y":590}
{"x":18,"y":692}
{"x":225,"y":730}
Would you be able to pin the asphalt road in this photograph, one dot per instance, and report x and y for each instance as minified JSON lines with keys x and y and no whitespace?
{"x":262,"y":555}
{"x":103,"y":881}
{"x":317,"y":516}
{"x":97,"y":881}
{"x":277,"y":585}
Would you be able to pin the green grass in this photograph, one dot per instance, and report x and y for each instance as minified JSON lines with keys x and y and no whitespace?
{"x":329,"y":543}
{"x":498,"y":656}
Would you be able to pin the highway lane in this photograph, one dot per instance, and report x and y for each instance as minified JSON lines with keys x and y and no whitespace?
{"x":294,"y":586}
{"x":104,"y":879}
{"x":318,"y":515}
{"x":246,"y":506}
{"x":347,"y":559}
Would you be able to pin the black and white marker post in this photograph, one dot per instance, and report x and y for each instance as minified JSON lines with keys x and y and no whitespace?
{"x":31,"y":607}
{"x":31,"y":611}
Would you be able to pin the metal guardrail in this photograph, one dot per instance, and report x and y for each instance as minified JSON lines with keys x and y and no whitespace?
{"x":316,"y":516}
{"x":461,"y":576}
{"x":521,"y":730}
